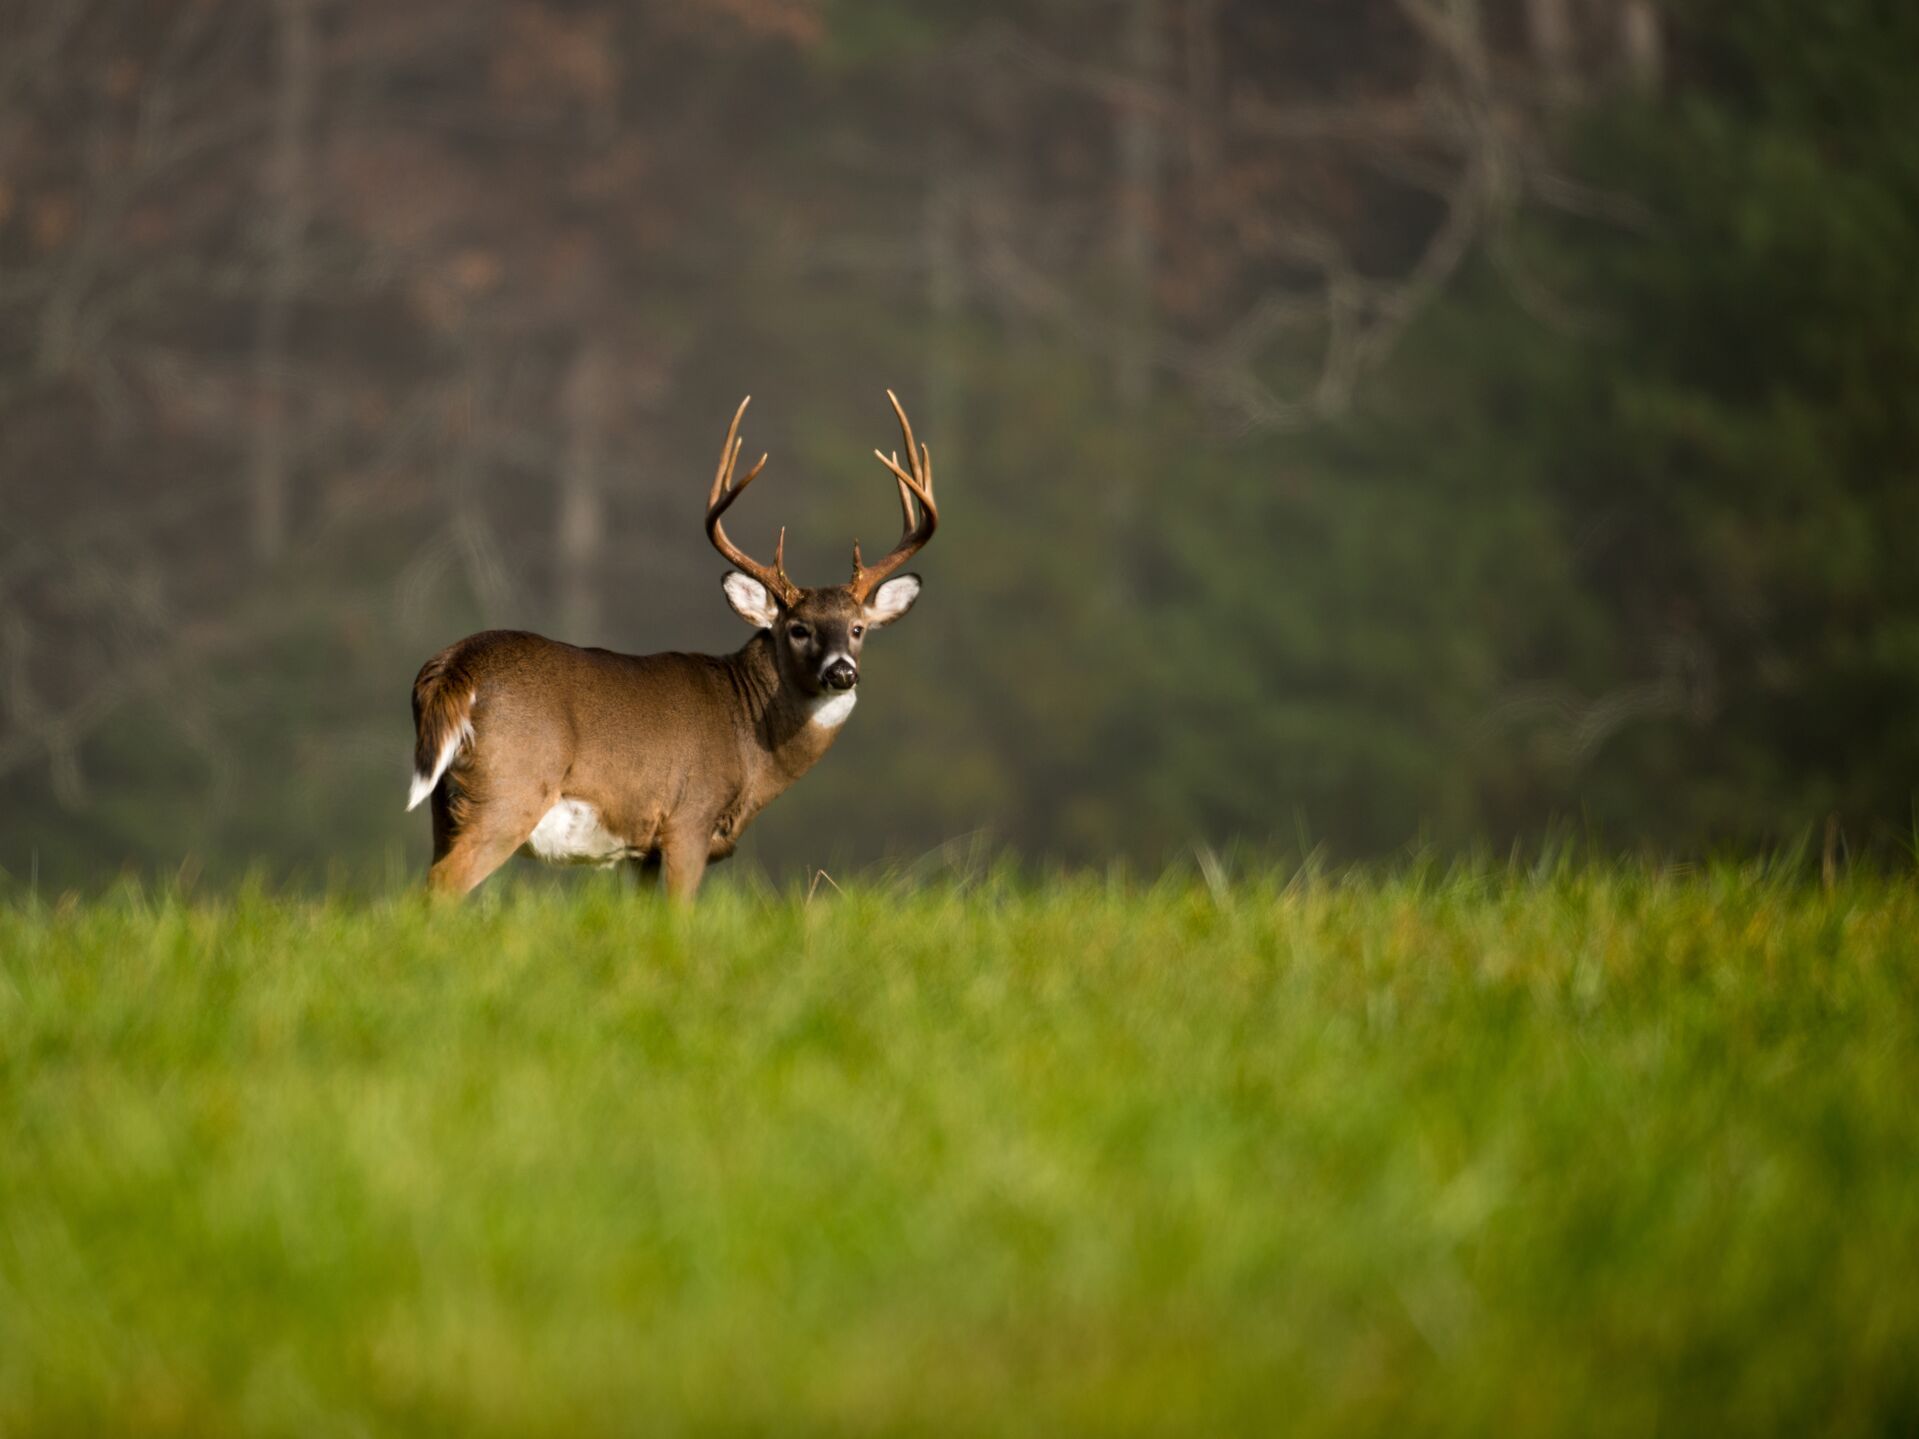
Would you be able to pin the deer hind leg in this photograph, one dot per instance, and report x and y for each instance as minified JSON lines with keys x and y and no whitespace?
{"x":444,"y":829}
{"x":471,"y":859}
{"x":482,"y":844}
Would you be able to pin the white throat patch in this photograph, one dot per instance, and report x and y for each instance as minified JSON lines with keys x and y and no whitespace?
{"x":830,"y":711}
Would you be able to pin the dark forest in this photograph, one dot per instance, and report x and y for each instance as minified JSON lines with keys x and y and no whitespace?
{"x":1360,"y":425}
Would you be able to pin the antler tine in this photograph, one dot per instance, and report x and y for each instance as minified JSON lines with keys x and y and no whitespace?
{"x":720,"y":498}
{"x":924,"y":469}
{"x":729,"y":454}
{"x":919,"y":513}
{"x":729,"y":457}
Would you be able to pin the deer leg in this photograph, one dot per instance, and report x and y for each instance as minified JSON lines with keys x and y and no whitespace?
{"x":471,"y":859}
{"x":443,"y":831}
{"x":683,"y":860}
{"x":487,"y":842}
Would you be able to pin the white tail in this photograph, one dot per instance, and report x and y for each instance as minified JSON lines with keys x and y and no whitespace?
{"x":454,"y":721}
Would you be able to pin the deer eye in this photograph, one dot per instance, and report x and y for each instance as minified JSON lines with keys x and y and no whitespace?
{"x":858,"y":630}
{"x":799,"y":634}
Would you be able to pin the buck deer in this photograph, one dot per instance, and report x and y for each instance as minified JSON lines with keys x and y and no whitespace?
{"x":585,"y":756}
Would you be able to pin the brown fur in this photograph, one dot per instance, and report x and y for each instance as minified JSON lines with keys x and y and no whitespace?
{"x":677,"y":752}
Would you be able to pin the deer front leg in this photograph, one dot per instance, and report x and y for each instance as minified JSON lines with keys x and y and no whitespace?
{"x":683,"y":850}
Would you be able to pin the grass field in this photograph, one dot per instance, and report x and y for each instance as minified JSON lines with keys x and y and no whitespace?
{"x":1598,"y":1152}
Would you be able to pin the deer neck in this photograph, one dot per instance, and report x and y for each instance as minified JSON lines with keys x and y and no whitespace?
{"x":789,"y":731}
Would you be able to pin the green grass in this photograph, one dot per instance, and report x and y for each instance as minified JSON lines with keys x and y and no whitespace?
{"x":1600,"y":1153}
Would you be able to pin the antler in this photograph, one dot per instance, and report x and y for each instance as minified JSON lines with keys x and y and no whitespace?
{"x":916,"y":485}
{"x":723,"y":494}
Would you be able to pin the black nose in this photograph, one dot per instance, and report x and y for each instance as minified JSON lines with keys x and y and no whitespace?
{"x":841,"y":675}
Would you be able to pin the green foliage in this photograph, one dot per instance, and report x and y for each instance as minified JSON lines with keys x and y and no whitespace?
{"x":1737,"y":424}
{"x":1628,"y":531}
{"x":1593,"y":1151}
{"x":871,"y":32}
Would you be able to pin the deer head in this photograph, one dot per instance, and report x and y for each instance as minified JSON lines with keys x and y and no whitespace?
{"x":817,"y":633}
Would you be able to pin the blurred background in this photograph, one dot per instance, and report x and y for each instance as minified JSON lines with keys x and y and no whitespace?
{"x":1358,"y":422}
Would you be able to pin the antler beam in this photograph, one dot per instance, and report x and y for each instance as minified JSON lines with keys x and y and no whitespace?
{"x":721,"y":498}
{"x":916,"y":491}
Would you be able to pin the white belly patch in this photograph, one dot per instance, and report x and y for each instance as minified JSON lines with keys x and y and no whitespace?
{"x":571,"y":833}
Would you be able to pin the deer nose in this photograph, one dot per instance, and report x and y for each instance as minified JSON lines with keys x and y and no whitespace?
{"x":841,"y":675}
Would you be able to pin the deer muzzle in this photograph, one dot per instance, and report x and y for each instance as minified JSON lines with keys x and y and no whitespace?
{"x":840,"y":674}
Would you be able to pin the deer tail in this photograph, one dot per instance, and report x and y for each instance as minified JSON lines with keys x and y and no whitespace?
{"x":443,"y":696}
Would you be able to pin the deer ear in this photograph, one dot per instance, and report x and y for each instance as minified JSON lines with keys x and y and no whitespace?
{"x":751,"y":600}
{"x":891,"y":600}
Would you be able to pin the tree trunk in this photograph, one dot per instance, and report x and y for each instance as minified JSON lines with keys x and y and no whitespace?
{"x":1203,"y":90}
{"x":289,"y":201}
{"x":945,"y":294}
{"x":1553,"y":31}
{"x":1642,"y":43}
{"x":582,"y":518}
{"x":1140,"y":146}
